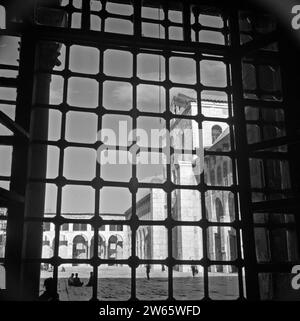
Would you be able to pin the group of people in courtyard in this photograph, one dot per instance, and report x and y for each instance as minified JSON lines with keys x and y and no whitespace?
{"x":74,"y":280}
{"x":50,"y":293}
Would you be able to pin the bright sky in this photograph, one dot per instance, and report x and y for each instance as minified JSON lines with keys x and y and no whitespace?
{"x":80,"y":163}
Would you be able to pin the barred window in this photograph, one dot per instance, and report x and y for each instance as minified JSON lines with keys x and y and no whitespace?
{"x":153,"y":139}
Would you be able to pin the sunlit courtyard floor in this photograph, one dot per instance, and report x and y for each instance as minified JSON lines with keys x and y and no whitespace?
{"x":114,"y":283}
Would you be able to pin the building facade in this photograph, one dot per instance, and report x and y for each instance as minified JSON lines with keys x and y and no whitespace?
{"x":187,"y":241}
{"x":77,"y":240}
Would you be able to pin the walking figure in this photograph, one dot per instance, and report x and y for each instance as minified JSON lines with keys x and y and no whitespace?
{"x":148,"y":268}
{"x":194,"y":269}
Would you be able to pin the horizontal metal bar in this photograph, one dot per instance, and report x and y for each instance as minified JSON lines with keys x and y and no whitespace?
{"x":276,"y":142}
{"x":275,"y":226}
{"x":269,"y":155}
{"x":7,"y":140}
{"x":8,"y":82}
{"x":167,"y":223}
{"x":262,"y":57}
{"x":276,"y":206}
{"x":280,"y":267}
{"x":263,"y":103}
{"x":10,"y":196}
{"x":9,"y":67}
{"x":259,"y":42}
{"x":133,"y":41}
{"x":13,"y":126}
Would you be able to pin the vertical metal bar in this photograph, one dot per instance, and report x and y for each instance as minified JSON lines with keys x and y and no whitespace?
{"x":85,"y":25}
{"x":169,"y":183}
{"x":252,"y":286}
{"x":290,"y":66}
{"x":137,"y":24}
{"x":60,"y":171}
{"x":235,"y":183}
{"x":134,"y":217}
{"x":187,"y":30}
{"x":15,"y":222}
{"x":98,"y":176}
{"x":35,"y":194}
{"x":204,"y":218}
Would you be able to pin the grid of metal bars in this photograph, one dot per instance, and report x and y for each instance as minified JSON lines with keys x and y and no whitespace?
{"x":135,"y":44}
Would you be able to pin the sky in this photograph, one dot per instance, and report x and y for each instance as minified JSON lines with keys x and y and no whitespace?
{"x":80,"y":163}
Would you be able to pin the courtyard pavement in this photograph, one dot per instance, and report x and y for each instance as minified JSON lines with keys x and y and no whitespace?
{"x":114,"y":284}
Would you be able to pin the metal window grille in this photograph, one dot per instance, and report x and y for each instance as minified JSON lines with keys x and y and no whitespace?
{"x":170,"y":32}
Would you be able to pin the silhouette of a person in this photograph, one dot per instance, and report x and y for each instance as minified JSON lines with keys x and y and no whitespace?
{"x":71,"y":280}
{"x":148,"y":268}
{"x":50,"y":294}
{"x":193,"y":268}
{"x":91,"y":279}
{"x":77,"y":281}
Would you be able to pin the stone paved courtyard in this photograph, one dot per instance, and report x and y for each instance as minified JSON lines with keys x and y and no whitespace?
{"x":114,"y":284}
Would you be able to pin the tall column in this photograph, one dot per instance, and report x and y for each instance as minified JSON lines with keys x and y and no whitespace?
{"x":35,"y":194}
{"x":190,"y":237}
{"x":46,"y":58}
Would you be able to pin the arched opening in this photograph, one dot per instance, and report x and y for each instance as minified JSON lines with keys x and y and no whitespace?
{"x":147,"y":244}
{"x":63,"y":246}
{"x":2,"y":277}
{"x":232,"y":234}
{"x":80,"y":248}
{"x":219,"y":175}
{"x":119,"y":248}
{"x":212,"y":177}
{"x":101,"y":247}
{"x":138,"y":244}
{"x":142,"y":244}
{"x":219,"y":210}
{"x":216,"y":131}
{"x":2,"y":244}
{"x":2,"y":17}
{"x":115,"y":247}
{"x":218,"y":236}
{"x":47,"y":250}
{"x":231,"y":208}
{"x":225,"y":173}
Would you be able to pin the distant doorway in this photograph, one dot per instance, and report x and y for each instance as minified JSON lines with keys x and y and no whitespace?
{"x":80,"y":248}
{"x":115,"y":247}
{"x":101,"y":247}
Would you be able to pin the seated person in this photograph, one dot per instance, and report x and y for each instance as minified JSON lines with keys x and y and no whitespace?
{"x":50,"y":294}
{"x":71,"y":280}
{"x":90,"y":282}
{"x":76,"y":281}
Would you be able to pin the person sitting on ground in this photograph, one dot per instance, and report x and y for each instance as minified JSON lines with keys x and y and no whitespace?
{"x":76,"y":281}
{"x":91,"y":279}
{"x":50,"y":294}
{"x":71,"y":280}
